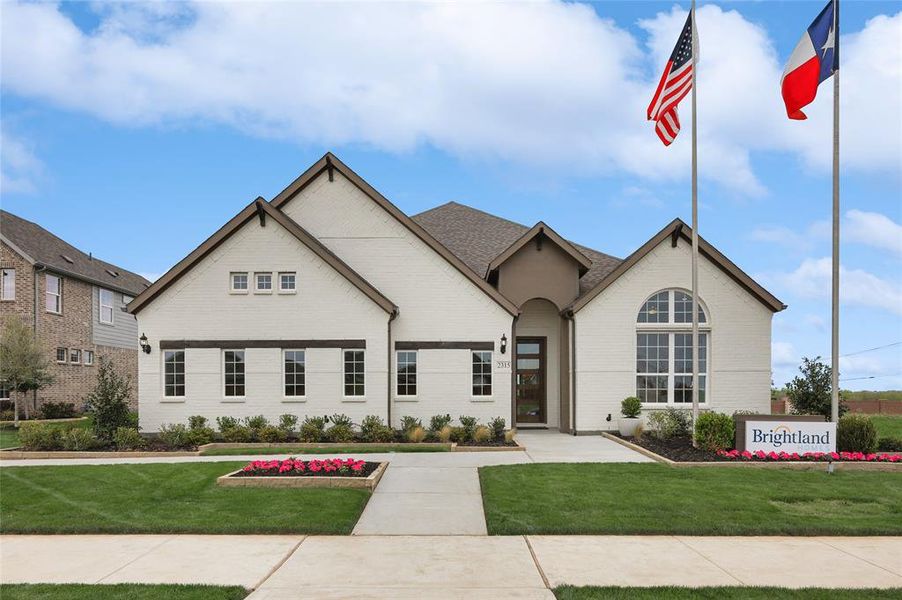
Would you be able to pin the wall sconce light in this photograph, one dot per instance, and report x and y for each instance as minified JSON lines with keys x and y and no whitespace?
{"x":503,"y":343}
{"x":144,"y":345}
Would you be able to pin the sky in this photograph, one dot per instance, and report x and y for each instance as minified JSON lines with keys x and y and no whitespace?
{"x":135,"y":130}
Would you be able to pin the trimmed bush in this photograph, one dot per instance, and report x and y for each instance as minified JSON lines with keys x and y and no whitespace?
{"x":174,"y":436}
{"x":127,"y":438}
{"x":856,"y":433}
{"x":340,"y":433}
{"x":889,"y":444}
{"x":439,"y":422}
{"x":373,"y":429}
{"x":237,"y":434}
{"x":408,"y":423}
{"x":313,"y":429}
{"x":38,"y":436}
{"x":272,"y":434}
{"x":468,"y":424}
{"x":714,"y":431}
{"x":416,"y":435}
{"x":630,"y":407}
{"x":224,"y":423}
{"x":77,"y":439}
{"x":288,"y":423}
{"x":497,"y":426}
{"x":482,"y":434}
{"x":197,"y":421}
{"x":57,"y":410}
{"x":670,"y":422}
{"x":444,"y":434}
{"x":255,"y":425}
{"x":109,"y":401}
{"x":199,"y":436}
{"x":460,"y":435}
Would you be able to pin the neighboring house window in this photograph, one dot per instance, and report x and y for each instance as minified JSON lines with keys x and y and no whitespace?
{"x":62,"y":354}
{"x":482,"y":373}
{"x":174,"y":373}
{"x":54,"y":293}
{"x":664,"y":350}
{"x":106,"y":306}
{"x":8,"y":286}
{"x":407,"y":373}
{"x":293,"y":361}
{"x":287,"y":283}
{"x":89,"y":357}
{"x":4,"y":391}
{"x":263,"y":282}
{"x":354,"y":372}
{"x":238,"y":282}
{"x":233,"y":361}
{"x":74,"y":356}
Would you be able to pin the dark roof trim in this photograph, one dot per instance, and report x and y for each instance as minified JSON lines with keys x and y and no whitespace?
{"x":259,"y":206}
{"x":239,"y":344}
{"x":677,"y":228}
{"x":330,"y":162}
{"x":540,"y":228}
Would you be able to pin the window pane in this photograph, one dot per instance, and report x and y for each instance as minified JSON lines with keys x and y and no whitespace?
{"x":8,"y":288}
{"x":482,"y":373}
{"x":61,"y":354}
{"x":174,"y":368}
{"x":682,"y":308}
{"x":655,"y":309}
{"x":354,"y":372}
{"x":528,"y":348}
{"x":264,"y":281}
{"x":406,"y":376}
{"x":239,"y":281}
{"x":286,"y":281}
{"x":234,"y":372}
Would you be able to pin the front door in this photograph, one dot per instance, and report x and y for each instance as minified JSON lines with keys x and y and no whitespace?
{"x":531,"y":380}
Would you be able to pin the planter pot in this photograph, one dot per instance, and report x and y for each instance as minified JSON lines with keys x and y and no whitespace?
{"x":628,"y":425}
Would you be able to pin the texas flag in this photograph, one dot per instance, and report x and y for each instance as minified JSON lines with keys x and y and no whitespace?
{"x":815,"y":58}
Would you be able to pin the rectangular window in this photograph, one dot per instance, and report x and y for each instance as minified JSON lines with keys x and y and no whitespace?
{"x":106,"y":306}
{"x":287,"y":283}
{"x":238,"y":283}
{"x":664,"y":367}
{"x":482,"y":373}
{"x":263,"y":283}
{"x":294,"y":373}
{"x":53,"y":293}
{"x":174,"y":373}
{"x":8,"y":286}
{"x":74,"y":356}
{"x":89,"y":357}
{"x":652,"y":366}
{"x":233,"y":361}
{"x":407,"y":373}
{"x":4,"y":392}
{"x":354,"y":372}
{"x":62,"y":354}
{"x":682,"y":367}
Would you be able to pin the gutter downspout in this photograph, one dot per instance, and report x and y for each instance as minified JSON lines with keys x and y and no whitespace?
{"x":568,"y":315}
{"x":391,"y":317}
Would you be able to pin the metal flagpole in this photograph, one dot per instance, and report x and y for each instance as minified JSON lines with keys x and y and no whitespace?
{"x":694,"y":230}
{"x":834,"y":382}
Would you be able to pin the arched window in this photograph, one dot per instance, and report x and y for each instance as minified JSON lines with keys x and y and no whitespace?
{"x":664,"y":349}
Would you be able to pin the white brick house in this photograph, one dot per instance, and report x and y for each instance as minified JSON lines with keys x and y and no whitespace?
{"x":329,"y":299}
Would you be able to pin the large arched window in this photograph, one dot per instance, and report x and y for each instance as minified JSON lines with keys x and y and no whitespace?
{"x":664,"y":349}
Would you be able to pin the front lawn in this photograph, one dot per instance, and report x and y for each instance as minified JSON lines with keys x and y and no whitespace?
{"x":9,"y":435}
{"x":888,"y":425}
{"x":629,"y":499}
{"x":349,"y":449}
{"x":719,"y":593}
{"x":125,"y":591}
{"x":165,"y":498}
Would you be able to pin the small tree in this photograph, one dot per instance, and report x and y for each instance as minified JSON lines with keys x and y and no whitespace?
{"x":810,"y":393}
{"x":109,"y":400}
{"x":23,"y":366}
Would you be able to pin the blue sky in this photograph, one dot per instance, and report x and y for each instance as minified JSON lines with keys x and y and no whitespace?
{"x":134,"y":131}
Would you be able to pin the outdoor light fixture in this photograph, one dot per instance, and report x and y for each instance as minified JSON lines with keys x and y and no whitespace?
{"x":144,"y":345}
{"x":503,"y":343}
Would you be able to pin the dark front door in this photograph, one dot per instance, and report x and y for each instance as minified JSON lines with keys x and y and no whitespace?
{"x":531,"y":380}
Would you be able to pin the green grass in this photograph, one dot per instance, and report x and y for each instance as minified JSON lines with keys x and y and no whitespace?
{"x":125,"y":591}
{"x":9,"y":435}
{"x":165,"y":498}
{"x":349,"y":449}
{"x":657,"y":499}
{"x":888,"y":425}
{"x":719,"y":593}
{"x":895,"y":395}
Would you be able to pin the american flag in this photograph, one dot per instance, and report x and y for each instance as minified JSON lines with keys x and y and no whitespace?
{"x":676,"y":82}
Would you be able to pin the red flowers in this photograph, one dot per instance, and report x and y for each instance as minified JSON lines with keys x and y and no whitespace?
{"x":348,"y":467}
{"x":810,"y":456}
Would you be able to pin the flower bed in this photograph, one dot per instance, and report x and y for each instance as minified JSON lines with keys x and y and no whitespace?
{"x":295,"y":472}
{"x":760,"y":455}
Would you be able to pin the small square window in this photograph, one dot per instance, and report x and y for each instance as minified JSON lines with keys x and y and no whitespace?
{"x":263,"y":283}
{"x":287,"y":283}
{"x":89,"y":357}
{"x":62,"y":354}
{"x":238,"y":283}
{"x":74,"y":356}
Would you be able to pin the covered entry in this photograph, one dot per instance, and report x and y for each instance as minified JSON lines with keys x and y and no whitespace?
{"x":537,"y":365}
{"x":531,"y":393}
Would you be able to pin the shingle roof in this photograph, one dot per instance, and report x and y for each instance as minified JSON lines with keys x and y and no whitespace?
{"x":477,"y":237}
{"x":45,"y":248}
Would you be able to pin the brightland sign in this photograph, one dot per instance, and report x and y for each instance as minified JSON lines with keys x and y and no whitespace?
{"x":790,"y":436}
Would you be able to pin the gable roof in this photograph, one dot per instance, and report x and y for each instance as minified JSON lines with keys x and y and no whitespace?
{"x":261,"y":209}
{"x":329,"y":163}
{"x":478,"y":238}
{"x":678,"y":229}
{"x":538,"y":229}
{"x":40,"y":247}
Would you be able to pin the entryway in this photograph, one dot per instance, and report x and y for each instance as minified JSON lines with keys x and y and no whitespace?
{"x":532,"y":395}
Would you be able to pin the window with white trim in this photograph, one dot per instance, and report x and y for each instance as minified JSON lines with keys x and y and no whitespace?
{"x":89,"y":357}
{"x":263,"y":283}
{"x":74,"y":356}
{"x":233,"y":370}
{"x":294,"y":371}
{"x":355,"y":372}
{"x":174,"y":373}
{"x":238,"y":282}
{"x":8,"y":285}
{"x":62,"y":355}
{"x":406,"y":372}
{"x":482,"y":373}
{"x":287,"y":282}
{"x":106,"y":306}
{"x":53,"y":293}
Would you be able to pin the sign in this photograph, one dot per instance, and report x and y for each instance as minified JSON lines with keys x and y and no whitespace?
{"x":790,"y":436}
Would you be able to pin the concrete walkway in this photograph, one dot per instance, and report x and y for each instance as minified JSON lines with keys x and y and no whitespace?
{"x":518,"y":567}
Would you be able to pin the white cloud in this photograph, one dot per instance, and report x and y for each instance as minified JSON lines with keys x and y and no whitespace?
{"x":873,"y":229}
{"x":19,"y":167}
{"x":812,"y":279}
{"x":783,"y":354}
{"x":548,"y":83}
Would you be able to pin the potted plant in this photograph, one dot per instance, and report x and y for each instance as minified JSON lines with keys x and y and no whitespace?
{"x":630,"y":409}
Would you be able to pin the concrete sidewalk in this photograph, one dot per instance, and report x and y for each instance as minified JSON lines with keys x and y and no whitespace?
{"x":519,"y":567}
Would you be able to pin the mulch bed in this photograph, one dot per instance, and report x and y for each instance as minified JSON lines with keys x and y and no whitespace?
{"x":492,"y":443}
{"x":679,"y":448}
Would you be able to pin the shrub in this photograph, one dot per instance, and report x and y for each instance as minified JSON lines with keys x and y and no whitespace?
{"x":340,"y":419}
{"x":288,"y":423}
{"x":889,"y":444}
{"x":509,"y":435}
{"x":373,"y":429}
{"x":109,"y":401}
{"x":482,"y":434}
{"x":460,"y":435}
{"x":226,"y":423}
{"x":255,"y":425}
{"x":272,"y":434}
{"x":7,"y":414}
{"x":200,"y":436}
{"x":416,"y":435}
{"x":78,"y":438}
{"x":128,"y":438}
{"x":408,"y":423}
{"x":444,"y":434}
{"x":57,"y":410}
{"x":38,"y":436}
{"x":670,"y":422}
{"x":856,"y":433}
{"x":312,"y":429}
{"x":174,"y":436}
{"x":439,"y":422}
{"x":714,"y":431}
{"x":497,"y":426}
{"x":237,"y":434}
{"x":197,"y":422}
{"x":630,"y":407}
{"x":810,"y":394}
{"x":468,"y":424}
{"x":340,"y":433}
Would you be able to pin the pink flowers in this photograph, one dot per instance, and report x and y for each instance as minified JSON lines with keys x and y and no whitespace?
{"x":293,"y":467}
{"x":810,"y":456}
